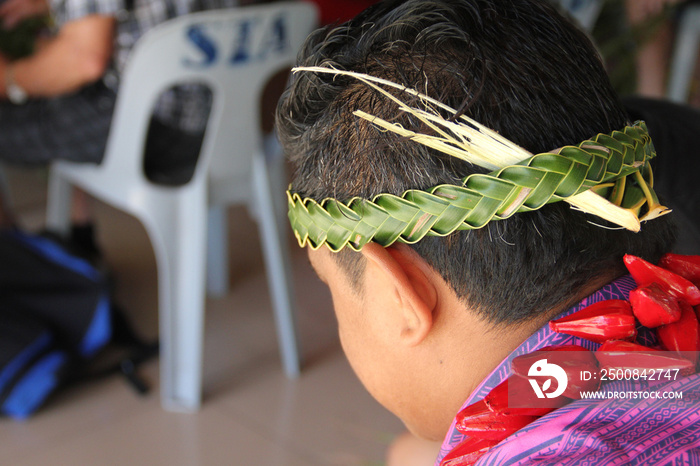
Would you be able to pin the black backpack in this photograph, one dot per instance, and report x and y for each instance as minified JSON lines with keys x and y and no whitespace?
{"x":56,"y":317}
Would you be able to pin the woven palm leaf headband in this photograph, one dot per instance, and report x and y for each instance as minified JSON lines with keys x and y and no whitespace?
{"x":608,"y":176}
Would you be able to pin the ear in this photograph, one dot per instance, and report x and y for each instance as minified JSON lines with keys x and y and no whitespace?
{"x":409,"y":282}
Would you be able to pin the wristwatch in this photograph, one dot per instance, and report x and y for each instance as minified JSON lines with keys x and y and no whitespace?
{"x":15,"y":93}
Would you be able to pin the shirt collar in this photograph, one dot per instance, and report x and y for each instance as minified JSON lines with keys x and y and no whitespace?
{"x":617,"y":289}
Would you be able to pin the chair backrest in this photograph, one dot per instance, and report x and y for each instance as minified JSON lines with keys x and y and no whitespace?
{"x":232,"y":51}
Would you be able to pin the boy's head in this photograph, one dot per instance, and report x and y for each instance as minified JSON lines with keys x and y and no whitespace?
{"x":515,"y":66}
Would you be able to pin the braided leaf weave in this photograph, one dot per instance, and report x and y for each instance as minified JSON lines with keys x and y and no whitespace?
{"x":481,"y":198}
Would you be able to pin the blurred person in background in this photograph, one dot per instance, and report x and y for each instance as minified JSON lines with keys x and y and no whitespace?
{"x":56,"y":101}
{"x":655,"y":46}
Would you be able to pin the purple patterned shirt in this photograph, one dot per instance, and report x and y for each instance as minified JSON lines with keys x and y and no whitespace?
{"x":598,"y":432}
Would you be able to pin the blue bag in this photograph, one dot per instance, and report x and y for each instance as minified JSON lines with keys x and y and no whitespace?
{"x":55,"y":312}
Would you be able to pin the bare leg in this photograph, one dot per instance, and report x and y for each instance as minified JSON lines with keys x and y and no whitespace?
{"x":81,"y":209}
{"x":82,"y":230}
{"x":6,"y":217}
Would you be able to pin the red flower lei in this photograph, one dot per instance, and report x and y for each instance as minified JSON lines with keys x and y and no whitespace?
{"x":667,"y":299}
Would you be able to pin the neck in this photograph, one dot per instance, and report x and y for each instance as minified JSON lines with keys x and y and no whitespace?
{"x":477,"y":347}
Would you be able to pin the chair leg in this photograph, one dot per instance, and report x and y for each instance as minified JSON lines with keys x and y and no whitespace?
{"x":179,"y":244}
{"x":58,"y":203}
{"x":277,"y":170}
{"x":217,"y":252}
{"x":277,"y":263}
{"x":685,"y":54}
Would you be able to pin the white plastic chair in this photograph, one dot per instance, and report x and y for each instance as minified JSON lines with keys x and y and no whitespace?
{"x":685,"y":53}
{"x":239,"y":49}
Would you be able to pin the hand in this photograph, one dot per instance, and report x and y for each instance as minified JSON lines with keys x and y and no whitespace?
{"x":13,"y":12}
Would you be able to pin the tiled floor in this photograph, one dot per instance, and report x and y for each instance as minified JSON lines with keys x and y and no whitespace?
{"x":252,"y":414}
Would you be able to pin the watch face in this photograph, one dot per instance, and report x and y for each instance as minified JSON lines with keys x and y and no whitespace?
{"x":16,"y":94}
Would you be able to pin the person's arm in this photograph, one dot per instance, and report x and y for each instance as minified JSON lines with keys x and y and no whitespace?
{"x":78,"y":55}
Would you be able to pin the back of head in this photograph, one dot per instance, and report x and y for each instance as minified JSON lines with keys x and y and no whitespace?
{"x":515,"y":66}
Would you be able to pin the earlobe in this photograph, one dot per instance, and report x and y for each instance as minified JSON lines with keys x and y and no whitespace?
{"x":408,"y":278}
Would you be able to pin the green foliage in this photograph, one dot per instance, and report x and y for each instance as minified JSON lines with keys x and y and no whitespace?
{"x":19,"y":42}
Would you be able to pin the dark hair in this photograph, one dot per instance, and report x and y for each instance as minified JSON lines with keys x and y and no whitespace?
{"x":516,"y":66}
